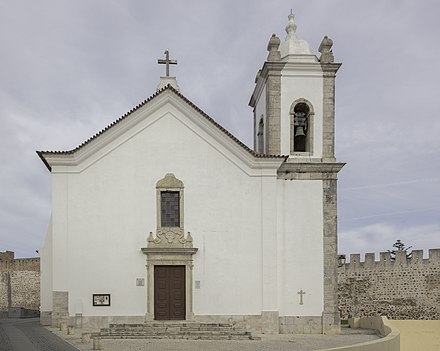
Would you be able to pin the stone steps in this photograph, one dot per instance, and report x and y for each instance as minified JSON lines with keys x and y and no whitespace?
{"x":175,"y":330}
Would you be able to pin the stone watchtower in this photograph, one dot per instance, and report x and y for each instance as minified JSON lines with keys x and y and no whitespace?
{"x":294,"y":115}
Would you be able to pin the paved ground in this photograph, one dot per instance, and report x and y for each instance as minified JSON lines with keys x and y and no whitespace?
{"x":29,"y":335}
{"x":268,"y":343}
{"x":297,"y":343}
{"x":418,"y":335}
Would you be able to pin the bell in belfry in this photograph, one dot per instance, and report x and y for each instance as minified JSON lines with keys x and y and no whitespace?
{"x":299,"y":132}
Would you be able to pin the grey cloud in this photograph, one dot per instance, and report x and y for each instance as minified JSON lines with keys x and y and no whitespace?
{"x":70,"y":68}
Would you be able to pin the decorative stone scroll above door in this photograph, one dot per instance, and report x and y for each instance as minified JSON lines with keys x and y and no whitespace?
{"x":169,"y":246}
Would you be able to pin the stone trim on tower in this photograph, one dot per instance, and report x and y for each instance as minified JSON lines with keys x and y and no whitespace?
{"x":273,"y":103}
{"x":270,"y":78}
{"x":329,"y":69}
{"x":309,"y":170}
{"x":328,"y":140}
{"x":330,"y":315}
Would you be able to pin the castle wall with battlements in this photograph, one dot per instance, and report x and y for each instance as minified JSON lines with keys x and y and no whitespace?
{"x":399,"y":289}
{"x":19,"y":282}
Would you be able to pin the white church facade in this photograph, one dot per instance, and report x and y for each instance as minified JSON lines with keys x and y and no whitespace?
{"x":164,"y":215}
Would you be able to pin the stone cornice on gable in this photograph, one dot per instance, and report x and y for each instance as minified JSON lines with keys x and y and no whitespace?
{"x":132,"y":117}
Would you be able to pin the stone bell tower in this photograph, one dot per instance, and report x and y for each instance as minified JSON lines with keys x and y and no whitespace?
{"x":294,"y":115}
{"x":293,"y":100}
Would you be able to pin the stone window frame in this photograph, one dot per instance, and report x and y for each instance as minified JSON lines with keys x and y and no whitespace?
{"x":310,"y":129}
{"x":260,"y":136}
{"x":169,"y":184}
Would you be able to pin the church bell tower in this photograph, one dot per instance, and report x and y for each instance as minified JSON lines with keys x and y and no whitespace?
{"x":294,"y":115}
{"x":293,"y":99}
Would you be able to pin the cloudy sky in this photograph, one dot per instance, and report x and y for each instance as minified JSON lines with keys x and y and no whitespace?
{"x":69,"y":68}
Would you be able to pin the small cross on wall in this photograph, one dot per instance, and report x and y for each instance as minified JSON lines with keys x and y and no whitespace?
{"x":167,"y":62}
{"x":301,"y":293}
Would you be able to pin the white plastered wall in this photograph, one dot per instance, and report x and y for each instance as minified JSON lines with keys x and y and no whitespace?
{"x":60,"y":229}
{"x":111,"y":208}
{"x":300,"y":247}
{"x":46,"y":271}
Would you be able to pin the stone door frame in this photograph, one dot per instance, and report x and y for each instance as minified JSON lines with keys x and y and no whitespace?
{"x":166,"y":257}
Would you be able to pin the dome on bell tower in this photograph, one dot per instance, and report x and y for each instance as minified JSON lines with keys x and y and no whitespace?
{"x":294,"y":47}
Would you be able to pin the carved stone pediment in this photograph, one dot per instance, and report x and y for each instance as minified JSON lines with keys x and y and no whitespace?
{"x":170,"y":238}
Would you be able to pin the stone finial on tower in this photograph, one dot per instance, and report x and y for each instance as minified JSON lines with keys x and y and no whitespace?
{"x":272,"y":47}
{"x":291,"y":26}
{"x":164,"y":81}
{"x":325,"y":50}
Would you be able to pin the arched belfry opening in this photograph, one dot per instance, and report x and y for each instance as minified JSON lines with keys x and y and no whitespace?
{"x":260,"y":136}
{"x":301,"y":123}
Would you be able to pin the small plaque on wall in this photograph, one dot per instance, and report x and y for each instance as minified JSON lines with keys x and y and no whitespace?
{"x":101,"y":299}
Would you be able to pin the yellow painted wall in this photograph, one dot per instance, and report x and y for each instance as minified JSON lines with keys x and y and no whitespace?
{"x":418,"y":335}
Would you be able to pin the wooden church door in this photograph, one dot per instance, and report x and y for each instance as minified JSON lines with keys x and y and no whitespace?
{"x":169,"y":293}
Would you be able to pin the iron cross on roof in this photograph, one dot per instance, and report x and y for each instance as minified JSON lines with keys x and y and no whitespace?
{"x":167,"y":62}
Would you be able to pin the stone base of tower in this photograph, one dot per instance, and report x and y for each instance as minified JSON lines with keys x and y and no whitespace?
{"x":331,"y":323}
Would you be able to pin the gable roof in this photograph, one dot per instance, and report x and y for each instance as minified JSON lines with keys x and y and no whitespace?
{"x":168,"y":87}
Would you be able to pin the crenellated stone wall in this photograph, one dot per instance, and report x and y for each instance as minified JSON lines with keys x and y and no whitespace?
{"x":399,"y":289}
{"x":19,"y":282}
